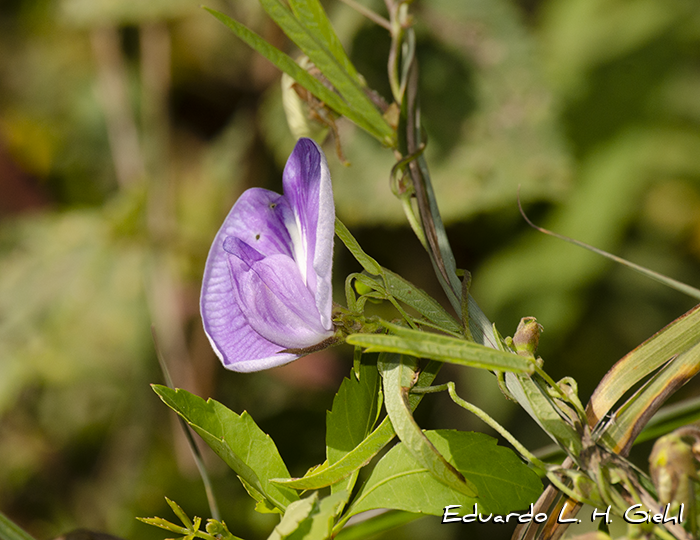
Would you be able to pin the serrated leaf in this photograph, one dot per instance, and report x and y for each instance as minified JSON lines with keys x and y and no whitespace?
{"x":262,"y":504}
{"x":398,"y":373}
{"x":236,"y":439}
{"x":398,"y":482}
{"x":441,"y":348}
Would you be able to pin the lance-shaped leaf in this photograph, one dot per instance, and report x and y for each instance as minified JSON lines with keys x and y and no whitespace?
{"x":629,"y":420}
{"x":237,"y":440}
{"x":399,"y":373}
{"x":423,"y":303}
{"x":675,"y":338}
{"x":11,"y":531}
{"x":536,"y":401}
{"x":368,"y":263}
{"x":351,"y":102}
{"x":442,"y":348}
{"x":267,"y":281}
{"x":390,"y":284}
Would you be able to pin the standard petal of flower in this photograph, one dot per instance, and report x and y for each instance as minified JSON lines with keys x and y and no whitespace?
{"x":308,"y":188}
{"x":274,"y":299}
{"x":258,"y":218}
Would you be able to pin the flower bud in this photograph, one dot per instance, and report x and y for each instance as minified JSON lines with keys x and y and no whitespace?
{"x":527,"y":336}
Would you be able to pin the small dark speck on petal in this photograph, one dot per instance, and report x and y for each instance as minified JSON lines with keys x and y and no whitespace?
{"x":257,"y":237}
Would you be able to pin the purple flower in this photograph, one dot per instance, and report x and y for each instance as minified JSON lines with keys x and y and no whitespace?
{"x":267,"y":281}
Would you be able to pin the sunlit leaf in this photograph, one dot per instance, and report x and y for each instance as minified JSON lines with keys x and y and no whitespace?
{"x":236,"y":439}
{"x":442,"y":348}
{"x":398,"y":373}
{"x":353,"y":415}
{"x":376,"y":127}
{"x":505,"y":484}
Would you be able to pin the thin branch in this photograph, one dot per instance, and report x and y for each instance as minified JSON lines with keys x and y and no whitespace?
{"x":371,"y":15}
{"x":669,"y":282}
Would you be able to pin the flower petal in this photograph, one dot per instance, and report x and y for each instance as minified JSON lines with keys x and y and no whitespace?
{"x":308,"y":189}
{"x":259,"y":217}
{"x":267,"y":280}
{"x":235,"y":342}
{"x":274,"y":299}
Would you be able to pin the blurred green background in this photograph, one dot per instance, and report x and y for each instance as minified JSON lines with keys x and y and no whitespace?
{"x":128,"y":129}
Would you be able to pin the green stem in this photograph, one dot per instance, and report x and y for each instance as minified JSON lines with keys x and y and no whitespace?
{"x":481,"y":414}
{"x":563,"y":395}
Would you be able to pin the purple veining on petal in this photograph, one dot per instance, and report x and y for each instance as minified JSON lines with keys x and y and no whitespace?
{"x":267,"y":281}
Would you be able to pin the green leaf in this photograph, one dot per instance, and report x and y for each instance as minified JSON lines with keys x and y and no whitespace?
{"x":378,"y":524}
{"x":333,"y":68}
{"x":353,"y":416}
{"x":399,"y":373}
{"x":367,"y":449}
{"x":346,"y":465}
{"x":441,"y":348}
{"x":164,"y":524}
{"x":310,"y":518}
{"x":237,"y":440}
{"x":629,"y":420}
{"x":419,"y":300}
{"x":398,"y":482}
{"x":11,"y":531}
{"x":311,"y":15}
{"x":396,"y":286}
{"x":180,"y":513}
{"x":675,"y":338}
{"x":321,"y":521}
{"x":377,"y":128}
{"x":295,"y":514}
{"x":539,"y":405}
